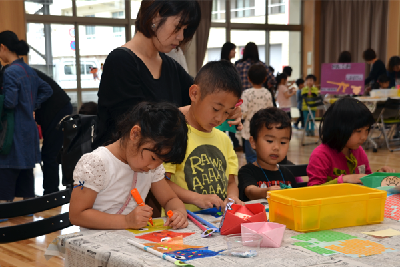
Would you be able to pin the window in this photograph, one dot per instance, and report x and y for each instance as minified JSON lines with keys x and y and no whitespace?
{"x":276,"y":6}
{"x":218,"y":11}
{"x":116,"y":15}
{"x":54,"y":7}
{"x":243,"y":8}
{"x":100,"y":8}
{"x":90,"y":30}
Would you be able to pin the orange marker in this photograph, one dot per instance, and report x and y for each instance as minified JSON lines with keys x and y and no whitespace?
{"x":135,"y":194}
{"x":170,"y":213}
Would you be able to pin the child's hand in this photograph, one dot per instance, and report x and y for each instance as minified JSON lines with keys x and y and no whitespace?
{"x":177,"y":221}
{"x":139,"y":217}
{"x":208,"y":201}
{"x":274,"y":187}
{"x":353,"y":178}
{"x":386,"y":169}
{"x":236,"y":199}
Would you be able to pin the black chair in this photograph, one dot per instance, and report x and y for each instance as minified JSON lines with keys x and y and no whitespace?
{"x":389,"y":117}
{"x":297,"y":170}
{"x":312,"y":102}
{"x":30,"y":206}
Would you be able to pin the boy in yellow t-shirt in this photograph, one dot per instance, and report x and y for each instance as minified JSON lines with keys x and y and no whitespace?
{"x":206,"y":177}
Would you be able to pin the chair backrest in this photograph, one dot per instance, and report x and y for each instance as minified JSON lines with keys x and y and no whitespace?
{"x":30,"y":206}
{"x":392,"y":103}
{"x":297,"y":170}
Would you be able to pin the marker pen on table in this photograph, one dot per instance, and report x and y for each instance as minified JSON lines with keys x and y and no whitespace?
{"x":136,"y":196}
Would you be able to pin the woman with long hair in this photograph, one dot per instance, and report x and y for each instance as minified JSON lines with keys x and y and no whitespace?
{"x":228,"y":51}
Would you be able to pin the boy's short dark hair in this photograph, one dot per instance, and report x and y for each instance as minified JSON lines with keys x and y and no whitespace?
{"x":268,"y":117}
{"x":257,"y":74}
{"x":218,"y":76}
{"x":383,"y":78}
{"x":311,"y":76}
{"x":299,"y":81}
{"x":369,"y":54}
{"x":271,"y":69}
{"x":341,"y":119}
{"x":287,"y":70}
{"x":88,"y":108}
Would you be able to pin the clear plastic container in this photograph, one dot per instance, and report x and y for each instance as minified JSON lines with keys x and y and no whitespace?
{"x":243,"y":245}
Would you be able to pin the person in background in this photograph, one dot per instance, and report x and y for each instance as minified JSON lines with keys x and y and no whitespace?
{"x":340,"y":158}
{"x":50,"y":113}
{"x":254,"y":99}
{"x":23,"y":92}
{"x":377,"y":68}
{"x":228,"y":51}
{"x":88,"y":108}
{"x":250,"y":57}
{"x":288,"y":71}
{"x":384,"y":81}
{"x":344,"y":57}
{"x":300,"y":85}
{"x":394,"y":71}
{"x":310,"y":90}
{"x":284,"y":94}
{"x":179,"y":57}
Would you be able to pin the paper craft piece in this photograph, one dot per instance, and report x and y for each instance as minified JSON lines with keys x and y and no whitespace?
{"x":212,"y":211}
{"x":379,"y":179}
{"x":158,"y":226}
{"x":242,"y":216}
{"x":330,"y":242}
{"x":164,"y":247}
{"x":272,"y":233}
{"x":192,"y":253}
{"x":392,"y":207}
{"x":157,"y":236}
{"x":383,"y":233}
{"x":173,"y":240}
{"x":232,"y":223}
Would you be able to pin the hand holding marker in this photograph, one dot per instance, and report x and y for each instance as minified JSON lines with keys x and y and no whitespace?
{"x":136,"y":196}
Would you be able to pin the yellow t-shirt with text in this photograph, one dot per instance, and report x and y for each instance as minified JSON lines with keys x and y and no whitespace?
{"x":209,"y":161}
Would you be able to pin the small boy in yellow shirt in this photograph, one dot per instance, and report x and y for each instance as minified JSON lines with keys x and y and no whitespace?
{"x":206,"y":177}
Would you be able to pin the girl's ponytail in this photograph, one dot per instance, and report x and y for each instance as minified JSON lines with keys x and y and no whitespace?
{"x":11,"y":41}
{"x":21,"y":48}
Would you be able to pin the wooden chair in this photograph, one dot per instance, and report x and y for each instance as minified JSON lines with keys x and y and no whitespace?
{"x":297,"y":170}
{"x":30,"y":206}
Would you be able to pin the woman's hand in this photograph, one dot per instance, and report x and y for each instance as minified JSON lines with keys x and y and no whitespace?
{"x":177,"y":221}
{"x":236,"y":116}
{"x":386,"y":169}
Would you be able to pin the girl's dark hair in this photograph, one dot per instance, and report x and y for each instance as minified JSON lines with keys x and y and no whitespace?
{"x":268,"y":117}
{"x":369,"y":54}
{"x":161,"y":123}
{"x":280,"y":77}
{"x":287,"y":70}
{"x":226,"y":50}
{"x":11,"y":41}
{"x":189,"y":10}
{"x":393,"y":62}
{"x":341,"y":119}
{"x":344,"y":57}
{"x":251,"y":52}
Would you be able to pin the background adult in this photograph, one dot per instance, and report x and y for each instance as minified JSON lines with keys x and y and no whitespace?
{"x":394,"y":71}
{"x":228,"y":51}
{"x":377,"y":67}
{"x":344,"y":57}
{"x":48,"y":116}
{"x":250,"y":57}
{"x":23,"y":92}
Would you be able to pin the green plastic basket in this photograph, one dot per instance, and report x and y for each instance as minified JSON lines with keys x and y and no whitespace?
{"x":375,"y":179}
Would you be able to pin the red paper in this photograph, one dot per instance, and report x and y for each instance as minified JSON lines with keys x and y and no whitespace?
{"x":157,"y":236}
{"x":232,"y":224}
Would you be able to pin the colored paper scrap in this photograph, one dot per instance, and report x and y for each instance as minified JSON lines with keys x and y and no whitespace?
{"x":330,"y":242}
{"x":392,"y":207}
{"x":158,"y":236}
{"x":158,"y":226}
{"x":383,"y":233}
{"x":193,"y":253}
{"x":164,"y":247}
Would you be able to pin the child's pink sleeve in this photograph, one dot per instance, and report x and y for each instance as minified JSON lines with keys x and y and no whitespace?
{"x":318,"y":168}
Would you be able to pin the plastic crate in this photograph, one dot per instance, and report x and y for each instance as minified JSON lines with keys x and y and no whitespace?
{"x":378,"y":179}
{"x":325,"y":207}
